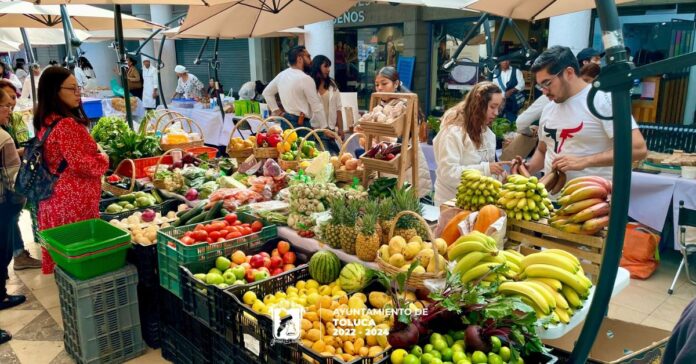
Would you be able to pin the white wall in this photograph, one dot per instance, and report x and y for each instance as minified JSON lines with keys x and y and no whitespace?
{"x":103,"y":60}
{"x":319,"y":39}
{"x":571,"y":30}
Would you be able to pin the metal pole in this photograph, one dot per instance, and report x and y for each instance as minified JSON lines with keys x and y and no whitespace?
{"x":71,"y":39}
{"x":160,"y":65}
{"x":122,"y":65}
{"x":30,"y":57}
{"x":216,"y":65}
{"x":621,"y":106}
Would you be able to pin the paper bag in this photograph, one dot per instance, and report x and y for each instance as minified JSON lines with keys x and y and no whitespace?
{"x":496,"y":230}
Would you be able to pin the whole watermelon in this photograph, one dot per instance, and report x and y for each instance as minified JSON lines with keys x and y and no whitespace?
{"x":354,"y":277}
{"x":324,"y":266}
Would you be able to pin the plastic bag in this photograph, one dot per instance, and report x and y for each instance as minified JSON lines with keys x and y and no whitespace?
{"x":496,"y":230}
{"x":321,"y":169}
{"x":271,"y":168}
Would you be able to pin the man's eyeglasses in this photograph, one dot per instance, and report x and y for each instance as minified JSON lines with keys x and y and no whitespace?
{"x":77,"y":90}
{"x":547,"y":83}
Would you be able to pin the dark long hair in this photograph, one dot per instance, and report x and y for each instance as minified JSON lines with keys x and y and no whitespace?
{"x":49,"y":102}
{"x":83,"y":63}
{"x":315,"y":72}
{"x":6,"y":71}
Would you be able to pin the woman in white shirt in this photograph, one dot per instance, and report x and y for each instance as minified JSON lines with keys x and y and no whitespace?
{"x":26,"y":88}
{"x":465,"y":140}
{"x":331,"y":100}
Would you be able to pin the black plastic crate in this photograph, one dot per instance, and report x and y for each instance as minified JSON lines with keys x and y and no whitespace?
{"x":172,"y":315}
{"x":144,"y":258}
{"x":149,"y":306}
{"x":180,"y":350}
{"x":205,"y":302}
{"x":223,"y":352}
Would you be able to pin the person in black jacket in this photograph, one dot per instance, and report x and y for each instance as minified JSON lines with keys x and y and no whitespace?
{"x":681,"y":347}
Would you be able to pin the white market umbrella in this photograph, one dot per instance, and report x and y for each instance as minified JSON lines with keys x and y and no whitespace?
{"x":129,"y":34}
{"x":40,"y":37}
{"x":531,"y":9}
{"x":252,"y":18}
{"x":175,"y":33}
{"x":22,"y":14}
{"x":8,"y":46}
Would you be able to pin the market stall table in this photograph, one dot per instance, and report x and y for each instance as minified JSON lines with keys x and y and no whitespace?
{"x":210,"y":122}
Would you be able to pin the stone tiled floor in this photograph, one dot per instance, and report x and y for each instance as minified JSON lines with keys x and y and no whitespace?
{"x":38,"y":336}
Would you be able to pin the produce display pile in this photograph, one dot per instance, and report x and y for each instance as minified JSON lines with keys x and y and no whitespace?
{"x":476,"y":190}
{"x":133,"y":201}
{"x":584,"y":206}
{"x":525,"y":198}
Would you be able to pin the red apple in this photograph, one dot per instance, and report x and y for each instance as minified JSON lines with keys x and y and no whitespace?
{"x":267,"y":262}
{"x":256,"y":261}
{"x":289,"y":258}
{"x":249,"y":275}
{"x":283,"y":247}
{"x":276,"y":271}
{"x":288,"y":267}
{"x":246,"y":265}
{"x":248,"y":258}
{"x":275,"y":253}
{"x":265,"y":254}
{"x":276,"y":261}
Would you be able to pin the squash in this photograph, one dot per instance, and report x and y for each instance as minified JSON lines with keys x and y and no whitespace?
{"x":451,"y":231}
{"x":486,"y":216}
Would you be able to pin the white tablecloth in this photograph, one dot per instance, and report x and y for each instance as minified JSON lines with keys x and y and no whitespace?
{"x":138,"y":112}
{"x":211,"y":123}
{"x":313,"y":245}
{"x":651,"y":195}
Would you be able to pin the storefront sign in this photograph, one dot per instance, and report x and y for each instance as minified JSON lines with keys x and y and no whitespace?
{"x":351,"y":17}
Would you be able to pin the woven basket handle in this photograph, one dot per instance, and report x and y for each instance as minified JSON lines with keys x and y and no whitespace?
{"x":306,"y":137}
{"x":171,"y":114}
{"x":188,"y":120}
{"x":244,"y":120}
{"x":346,"y":142}
{"x":132,"y":183}
{"x":154,"y":176}
{"x":427,"y":227}
{"x":264,"y":124}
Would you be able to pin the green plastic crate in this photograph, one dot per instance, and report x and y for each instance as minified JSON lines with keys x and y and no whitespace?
{"x":87,"y":248}
{"x":171,"y":252}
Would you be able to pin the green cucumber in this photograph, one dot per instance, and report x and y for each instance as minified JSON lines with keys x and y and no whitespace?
{"x":189,"y":214}
{"x":182,"y":212}
{"x":198,"y":218}
{"x":158,"y":198}
{"x":214,"y":211}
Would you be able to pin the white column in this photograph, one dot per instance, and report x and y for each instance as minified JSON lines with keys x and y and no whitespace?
{"x":319,"y":39}
{"x":103,"y":60}
{"x":143,"y":12}
{"x":256,"y":59}
{"x":163,"y":14}
{"x":571,"y":30}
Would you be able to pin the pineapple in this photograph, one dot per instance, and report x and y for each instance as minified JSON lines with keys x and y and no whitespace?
{"x":367,"y":241}
{"x":347,"y":228}
{"x":386,"y":212}
{"x":405,"y":199}
{"x":331,"y":230}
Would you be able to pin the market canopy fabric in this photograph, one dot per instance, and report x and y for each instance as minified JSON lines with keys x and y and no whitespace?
{"x":23,"y":14}
{"x":8,"y":46}
{"x":175,"y":33}
{"x":40,"y":37}
{"x":129,"y":34}
{"x":254,"y":18}
{"x":531,"y":9}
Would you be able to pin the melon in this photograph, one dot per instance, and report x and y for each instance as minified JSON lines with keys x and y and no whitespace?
{"x":354,"y":277}
{"x":324,"y":267}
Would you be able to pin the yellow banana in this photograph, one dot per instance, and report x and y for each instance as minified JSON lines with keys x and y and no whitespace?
{"x":562,"y":315}
{"x":468,"y":261}
{"x":584,"y":279}
{"x":469,"y":237}
{"x":572,"y":297}
{"x":519,"y":288}
{"x":550,"y":271}
{"x":564,"y":253}
{"x":540,"y":287}
{"x":455,"y":252}
{"x":512,"y":266}
{"x":557,"y":296}
{"x":550,"y":259}
{"x":499,"y":259}
{"x":555,"y":284}
{"x":477,"y":271}
{"x":495,"y":277}
{"x":512,"y":257}
{"x":515,"y":252}
{"x":537,"y":310}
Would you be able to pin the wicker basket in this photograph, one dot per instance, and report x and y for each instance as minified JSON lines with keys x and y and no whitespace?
{"x":118,"y":191}
{"x":295,"y":164}
{"x":416,"y":280}
{"x":160,"y":115}
{"x":269,"y":152}
{"x":350,"y":176}
{"x":191,"y":144}
{"x":241,"y":155}
{"x":158,"y":183}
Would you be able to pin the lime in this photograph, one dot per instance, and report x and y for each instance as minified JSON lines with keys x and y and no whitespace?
{"x":458,"y":335}
{"x":440,"y":345}
{"x":417,"y":351}
{"x":495,"y":344}
{"x":505,"y":353}
{"x":457,"y":347}
{"x":460,"y":343}
{"x":436,"y":361}
{"x":458,"y":356}
{"x":446,"y":354}
{"x":398,"y":355}
{"x":478,"y":357}
{"x":427,"y":358}
{"x":411,"y":359}
{"x":449,"y":340}
{"x":494,"y":358}
{"x":463,"y":361}
{"x":435,"y":337}
{"x":428,"y":348}
{"x":436,"y":354}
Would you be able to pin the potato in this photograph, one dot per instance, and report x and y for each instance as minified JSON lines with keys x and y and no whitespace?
{"x":314,"y":335}
{"x":326,"y":314}
{"x":306,"y":324}
{"x":319,"y":346}
{"x":346,"y":157}
{"x":151,"y":235}
{"x":374,"y":351}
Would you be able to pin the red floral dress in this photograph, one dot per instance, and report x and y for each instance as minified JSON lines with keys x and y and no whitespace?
{"x":77,"y":192}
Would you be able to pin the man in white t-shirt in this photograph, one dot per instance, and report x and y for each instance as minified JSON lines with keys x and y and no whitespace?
{"x":297,"y":91}
{"x":571,"y":138}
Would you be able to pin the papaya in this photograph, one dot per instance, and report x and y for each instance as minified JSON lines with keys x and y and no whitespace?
{"x":451,"y":231}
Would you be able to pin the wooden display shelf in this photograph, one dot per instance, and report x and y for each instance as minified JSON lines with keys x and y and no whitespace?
{"x":392,"y":129}
{"x":531,"y":236}
{"x":391,"y":166}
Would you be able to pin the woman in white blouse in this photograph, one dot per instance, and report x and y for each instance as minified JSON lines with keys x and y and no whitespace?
{"x":465,"y":140}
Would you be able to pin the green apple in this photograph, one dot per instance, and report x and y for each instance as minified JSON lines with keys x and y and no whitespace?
{"x":223,"y":285}
{"x":200,"y":276}
{"x":215,"y":270}
{"x":239,"y":272}
{"x":222,"y":263}
{"x":214,"y":278}
{"x":260,"y":275}
{"x":229,"y":276}
{"x":239,"y":282}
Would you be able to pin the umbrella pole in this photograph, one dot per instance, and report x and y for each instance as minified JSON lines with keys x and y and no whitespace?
{"x":118,"y":26}
{"x":216,"y":65}
{"x":71,"y":39}
{"x":469,"y":35}
{"x":617,"y":78}
{"x":30,"y":57}
{"x":159,"y":75}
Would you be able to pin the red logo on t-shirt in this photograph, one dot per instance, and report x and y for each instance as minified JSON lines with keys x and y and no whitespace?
{"x":564,"y":135}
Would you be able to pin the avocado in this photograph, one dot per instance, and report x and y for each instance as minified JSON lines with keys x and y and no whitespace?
{"x":113,"y":209}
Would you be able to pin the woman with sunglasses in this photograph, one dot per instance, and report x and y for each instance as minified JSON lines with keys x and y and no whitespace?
{"x":69,"y":152}
{"x":465,"y":141}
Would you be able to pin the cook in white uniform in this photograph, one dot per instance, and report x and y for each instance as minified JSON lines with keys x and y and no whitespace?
{"x":150,"y":85}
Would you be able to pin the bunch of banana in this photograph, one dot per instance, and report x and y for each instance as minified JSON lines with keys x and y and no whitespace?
{"x":584,"y":206}
{"x":525,"y":198}
{"x":558,"y":278}
{"x":554,"y":181}
{"x":476,"y":190}
{"x":519,"y":167}
{"x":476,"y":254}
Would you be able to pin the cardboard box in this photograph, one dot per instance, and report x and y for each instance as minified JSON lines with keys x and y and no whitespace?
{"x":618,"y":342}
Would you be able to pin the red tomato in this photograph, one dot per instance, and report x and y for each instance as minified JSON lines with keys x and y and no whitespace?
{"x":225,"y":222}
{"x":256,"y":226}
{"x":215,"y":235}
{"x":209,"y":240}
{"x":231,"y":218}
{"x":245,"y":230}
{"x":224,"y":232}
{"x":234,"y":234}
{"x":208,"y":228}
{"x":188,"y":233}
{"x":199,"y":227}
{"x":237,"y":223}
{"x":200,"y":235}
{"x":218,"y":225}
{"x":187,"y":240}
{"x":220,"y":240}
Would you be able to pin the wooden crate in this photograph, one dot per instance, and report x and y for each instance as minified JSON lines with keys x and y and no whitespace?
{"x":531,"y":236}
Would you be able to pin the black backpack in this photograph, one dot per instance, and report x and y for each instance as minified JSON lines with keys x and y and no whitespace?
{"x":34,"y":181}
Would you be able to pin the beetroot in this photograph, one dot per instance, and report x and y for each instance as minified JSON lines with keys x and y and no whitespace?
{"x":148,"y":215}
{"x":474,"y":340}
{"x":403,"y":336}
{"x":191,"y":194}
